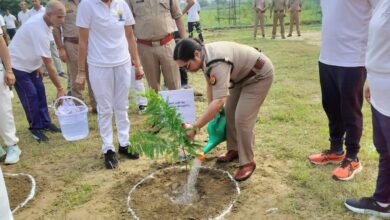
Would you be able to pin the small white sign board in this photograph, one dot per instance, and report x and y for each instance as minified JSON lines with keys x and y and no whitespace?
{"x":184,"y":102}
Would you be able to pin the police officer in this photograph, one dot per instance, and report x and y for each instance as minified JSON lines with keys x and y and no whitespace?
{"x":295,"y":8}
{"x":153,"y":29}
{"x":279,"y":7}
{"x":239,"y":77}
{"x":260,"y":7}
{"x":68,"y":49}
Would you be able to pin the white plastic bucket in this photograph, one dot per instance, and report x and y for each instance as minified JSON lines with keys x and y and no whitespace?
{"x":73,"y":118}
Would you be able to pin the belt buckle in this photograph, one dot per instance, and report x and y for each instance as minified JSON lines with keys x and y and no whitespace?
{"x":156,"y":43}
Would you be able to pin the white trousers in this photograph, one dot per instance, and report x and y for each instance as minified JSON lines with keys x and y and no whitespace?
{"x":111,"y":87}
{"x":138,"y":87}
{"x":7,"y":123}
{"x":5,"y":211}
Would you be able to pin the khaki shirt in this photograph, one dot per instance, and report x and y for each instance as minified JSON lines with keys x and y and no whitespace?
{"x":295,"y":5}
{"x":154,"y":18}
{"x":279,"y":5}
{"x":69,"y":28}
{"x":261,"y":4}
{"x":220,"y":74}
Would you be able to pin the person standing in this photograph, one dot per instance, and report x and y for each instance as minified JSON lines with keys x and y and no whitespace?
{"x":7,"y":123}
{"x":279,"y":7}
{"x":260,"y":7}
{"x":106,"y":35}
{"x":342,"y":76}
{"x":153,"y":30}
{"x":237,"y":76}
{"x":31,"y":46}
{"x":39,"y":9}
{"x":10,"y":22}
{"x":23,"y":14}
{"x":295,"y":9}
{"x":4,"y":29}
{"x":68,"y":49}
{"x":5,"y":209}
{"x":193,"y":19}
{"x":377,"y":94}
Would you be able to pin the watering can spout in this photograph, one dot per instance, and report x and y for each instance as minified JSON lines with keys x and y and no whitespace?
{"x":216,"y":130}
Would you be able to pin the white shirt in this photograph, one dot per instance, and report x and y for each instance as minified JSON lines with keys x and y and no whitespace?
{"x":30,"y":44}
{"x":2,"y":22}
{"x":10,"y":21}
{"x":377,"y":59}
{"x":107,"y":43}
{"x":23,"y":16}
{"x":344,"y":32}
{"x":33,"y":12}
{"x":193,"y":14}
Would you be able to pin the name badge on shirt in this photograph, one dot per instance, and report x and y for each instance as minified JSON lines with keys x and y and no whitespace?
{"x":120,"y":15}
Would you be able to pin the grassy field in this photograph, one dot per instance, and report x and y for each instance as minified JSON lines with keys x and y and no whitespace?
{"x":72,"y":181}
{"x":245,"y":16}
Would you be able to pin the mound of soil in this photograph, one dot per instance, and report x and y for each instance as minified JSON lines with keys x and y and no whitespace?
{"x":18,"y":188}
{"x":153,"y":198}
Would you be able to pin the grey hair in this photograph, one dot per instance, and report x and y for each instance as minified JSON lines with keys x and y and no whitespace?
{"x":53,"y":6}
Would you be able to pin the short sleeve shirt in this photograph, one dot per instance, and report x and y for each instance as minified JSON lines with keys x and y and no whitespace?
{"x":261,"y":4}
{"x":154,"y":18}
{"x":295,"y":5}
{"x":23,"y":16}
{"x":30,"y":44}
{"x":10,"y":21}
{"x":69,"y":28}
{"x":33,"y":12}
{"x":107,"y":43}
{"x":193,"y":15}
{"x":219,"y":74}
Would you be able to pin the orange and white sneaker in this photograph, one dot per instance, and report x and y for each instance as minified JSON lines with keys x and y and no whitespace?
{"x":326,"y":157}
{"x":347,"y":169}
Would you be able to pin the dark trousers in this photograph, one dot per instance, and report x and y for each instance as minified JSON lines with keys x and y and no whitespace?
{"x":342,"y":100}
{"x":191,"y":26}
{"x":183,"y":72}
{"x":381,"y":129}
{"x":11,"y":33}
{"x":31,"y":92}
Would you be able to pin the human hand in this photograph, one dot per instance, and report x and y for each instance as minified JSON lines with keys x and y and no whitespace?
{"x":80,"y":80}
{"x":190,"y":131}
{"x":63,"y":54}
{"x":367,"y":94}
{"x":9,"y":78}
{"x":60,"y":92}
{"x":139,"y":72}
{"x":40,"y":73}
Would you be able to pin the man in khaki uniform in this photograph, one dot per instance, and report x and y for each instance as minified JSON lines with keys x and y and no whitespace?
{"x":153,"y":29}
{"x":295,"y":8}
{"x":279,"y":7}
{"x":260,"y":8}
{"x":68,"y":49}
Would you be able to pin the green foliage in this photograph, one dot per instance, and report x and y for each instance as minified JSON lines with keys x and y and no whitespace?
{"x":165,"y":134}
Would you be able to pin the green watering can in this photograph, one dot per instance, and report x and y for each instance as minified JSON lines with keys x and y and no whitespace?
{"x":217,"y":133}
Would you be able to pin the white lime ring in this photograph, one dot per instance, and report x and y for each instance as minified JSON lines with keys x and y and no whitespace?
{"x":32,"y":191}
{"x":226,"y":211}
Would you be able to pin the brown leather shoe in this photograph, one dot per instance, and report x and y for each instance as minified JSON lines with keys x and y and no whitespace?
{"x":228,"y":157}
{"x":244,"y":172}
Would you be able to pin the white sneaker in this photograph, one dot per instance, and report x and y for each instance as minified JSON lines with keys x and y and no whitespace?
{"x":2,"y":152}
{"x":13,"y":153}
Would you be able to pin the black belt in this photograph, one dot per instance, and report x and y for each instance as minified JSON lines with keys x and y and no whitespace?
{"x":258,"y":65}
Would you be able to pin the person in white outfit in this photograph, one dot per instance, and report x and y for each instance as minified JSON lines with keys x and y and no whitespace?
{"x":7,"y":123}
{"x":5,"y":211}
{"x":138,"y":88}
{"x":106,"y":34}
{"x":23,"y":14}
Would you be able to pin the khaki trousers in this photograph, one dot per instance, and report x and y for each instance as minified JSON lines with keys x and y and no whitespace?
{"x":294,"y":17}
{"x":241,"y":109}
{"x":259,"y":18}
{"x":160,"y":59}
{"x":72,"y":51}
{"x":278,"y":16}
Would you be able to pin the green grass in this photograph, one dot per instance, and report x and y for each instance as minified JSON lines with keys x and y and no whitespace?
{"x":290,"y":126}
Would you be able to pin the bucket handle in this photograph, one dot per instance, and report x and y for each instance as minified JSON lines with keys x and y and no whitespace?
{"x":68,"y":97}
